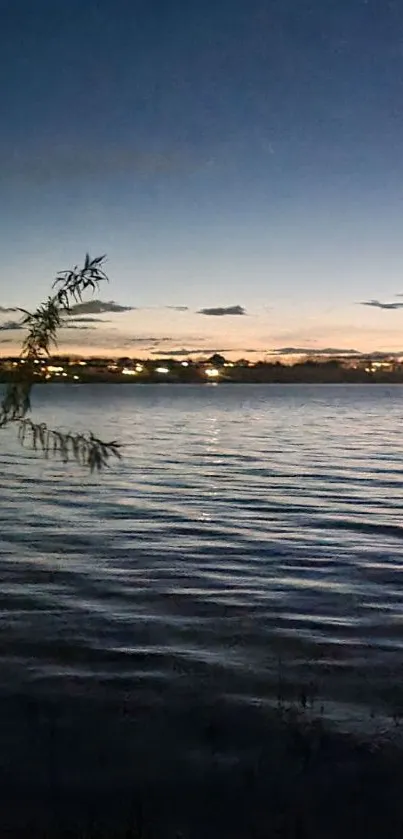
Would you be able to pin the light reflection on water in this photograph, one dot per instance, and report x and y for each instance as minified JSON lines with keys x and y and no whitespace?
{"x":245,"y":524}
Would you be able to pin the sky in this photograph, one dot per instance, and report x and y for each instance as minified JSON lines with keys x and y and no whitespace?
{"x":240,"y":162}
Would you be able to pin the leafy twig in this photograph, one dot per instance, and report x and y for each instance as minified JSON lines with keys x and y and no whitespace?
{"x":43,"y":325}
{"x":85,"y":449}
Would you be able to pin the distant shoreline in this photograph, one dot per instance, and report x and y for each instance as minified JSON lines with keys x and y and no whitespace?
{"x":215,"y":370}
{"x":225,"y":383}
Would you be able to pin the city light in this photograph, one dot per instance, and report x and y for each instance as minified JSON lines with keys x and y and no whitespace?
{"x":361,"y":368}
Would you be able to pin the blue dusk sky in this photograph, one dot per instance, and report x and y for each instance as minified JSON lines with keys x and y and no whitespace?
{"x":239,"y":161}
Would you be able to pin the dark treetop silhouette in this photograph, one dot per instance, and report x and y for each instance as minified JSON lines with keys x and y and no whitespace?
{"x":43,"y":325}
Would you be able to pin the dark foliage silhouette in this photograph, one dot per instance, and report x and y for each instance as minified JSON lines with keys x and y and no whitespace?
{"x":42,"y":327}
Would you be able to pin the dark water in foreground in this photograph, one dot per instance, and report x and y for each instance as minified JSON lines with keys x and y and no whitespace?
{"x":251,"y":542}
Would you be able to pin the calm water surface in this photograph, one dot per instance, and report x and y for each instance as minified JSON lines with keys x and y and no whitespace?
{"x":250,"y":542}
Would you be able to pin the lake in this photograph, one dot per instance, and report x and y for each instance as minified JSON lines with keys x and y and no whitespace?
{"x":248,"y":548}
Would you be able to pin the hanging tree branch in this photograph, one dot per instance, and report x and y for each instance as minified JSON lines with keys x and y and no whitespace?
{"x":43,"y":325}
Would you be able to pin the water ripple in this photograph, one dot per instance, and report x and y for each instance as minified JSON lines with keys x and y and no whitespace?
{"x":245,"y":524}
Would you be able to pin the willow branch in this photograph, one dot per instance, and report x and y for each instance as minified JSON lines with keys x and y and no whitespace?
{"x":42,"y":329}
{"x":85,"y":449}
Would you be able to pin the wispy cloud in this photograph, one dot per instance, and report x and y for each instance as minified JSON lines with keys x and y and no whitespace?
{"x":74,"y":320}
{"x":11,"y":325}
{"x":98,"y":307}
{"x":221,"y":311}
{"x":184,"y":351}
{"x":77,"y":326}
{"x":377,"y":304}
{"x":313,"y":351}
{"x":147,"y":341}
{"x":178,"y":308}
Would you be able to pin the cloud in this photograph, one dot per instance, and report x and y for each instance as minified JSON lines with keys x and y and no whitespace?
{"x":179,"y":353}
{"x":220,"y":311}
{"x":76,"y":326}
{"x":312,"y":351}
{"x":183,"y":351}
{"x":377,"y":354}
{"x":87,"y":320}
{"x":12,"y":325}
{"x":98,"y":307}
{"x":178,"y":308}
{"x":146,"y":341}
{"x":378,"y":305}
{"x":6,"y":309}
